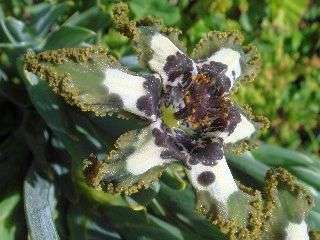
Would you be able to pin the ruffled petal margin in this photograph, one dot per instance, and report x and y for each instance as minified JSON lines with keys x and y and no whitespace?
{"x":94,"y":81}
{"x":164,"y":57}
{"x":135,"y":163}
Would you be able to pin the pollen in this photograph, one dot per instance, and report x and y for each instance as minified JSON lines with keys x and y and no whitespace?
{"x":201,"y":79}
{"x":206,"y":105}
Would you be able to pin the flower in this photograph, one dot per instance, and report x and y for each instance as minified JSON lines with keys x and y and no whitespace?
{"x":190,"y":112}
{"x":187,"y":104}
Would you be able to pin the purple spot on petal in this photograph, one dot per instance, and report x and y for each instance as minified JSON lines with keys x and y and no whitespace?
{"x":208,"y":154}
{"x":206,"y":178}
{"x":145,"y":104}
{"x":173,"y":154}
{"x":159,"y":136}
{"x":234,"y":119}
{"x":114,"y":101}
{"x":217,"y":71}
{"x":149,"y":103}
{"x":233,"y":74}
{"x":178,"y":65}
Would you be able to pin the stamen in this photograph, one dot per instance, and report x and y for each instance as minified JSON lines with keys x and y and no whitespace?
{"x":206,"y":105}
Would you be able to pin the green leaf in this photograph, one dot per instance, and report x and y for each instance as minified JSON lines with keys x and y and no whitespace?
{"x":68,"y":36}
{"x":8,"y":224}
{"x":158,"y":8}
{"x":313,"y":220}
{"x":8,"y":121}
{"x":135,"y":225}
{"x":14,"y":92}
{"x":81,"y":18}
{"x":173,"y":179}
{"x":287,"y":13}
{"x":309,"y":175}
{"x":3,"y":76}
{"x":39,"y":200}
{"x":36,"y":10}
{"x":277,"y":156}
{"x":145,"y":196}
{"x":180,"y":209}
{"x":84,"y":226}
{"x":1,"y":13}
{"x":93,"y":18}
{"x":46,"y":16}
{"x":248,"y":165}
{"x":5,"y":33}
{"x":174,"y":230}
{"x":18,"y":30}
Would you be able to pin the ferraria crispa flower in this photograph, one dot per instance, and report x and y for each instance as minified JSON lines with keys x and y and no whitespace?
{"x":191,"y":120}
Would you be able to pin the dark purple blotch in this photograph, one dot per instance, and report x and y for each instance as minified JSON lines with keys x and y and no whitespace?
{"x":207,"y":154}
{"x":149,"y":103}
{"x":206,"y":178}
{"x":172,"y":149}
{"x":184,"y":140}
{"x":234,"y":119}
{"x":114,"y":101}
{"x":173,"y":154}
{"x":178,"y":65}
{"x":217,"y":71}
{"x":159,"y":136}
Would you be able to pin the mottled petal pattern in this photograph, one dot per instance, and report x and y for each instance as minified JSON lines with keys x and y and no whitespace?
{"x":178,"y":69}
{"x":148,"y":151}
{"x":239,"y":128}
{"x":135,"y":162}
{"x":231,"y":60}
{"x":165,"y":57}
{"x":149,"y":103}
{"x":207,"y":154}
{"x":94,"y":81}
{"x":217,"y":71}
{"x":215,"y":179}
{"x":135,"y":94}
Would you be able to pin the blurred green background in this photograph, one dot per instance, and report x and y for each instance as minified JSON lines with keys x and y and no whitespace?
{"x":287,"y":90}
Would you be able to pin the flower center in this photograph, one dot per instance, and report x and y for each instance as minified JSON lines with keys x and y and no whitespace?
{"x":202,"y":105}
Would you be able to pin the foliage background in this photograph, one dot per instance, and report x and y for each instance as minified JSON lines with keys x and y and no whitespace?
{"x":33,"y":140}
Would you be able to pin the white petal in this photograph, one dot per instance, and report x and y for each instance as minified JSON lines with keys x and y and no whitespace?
{"x":231,"y":58}
{"x":244,"y":129}
{"x":297,"y":231}
{"x":148,"y":155}
{"x":223,"y":185}
{"x":129,"y":87}
{"x":162,"y":48}
{"x":145,"y":158}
